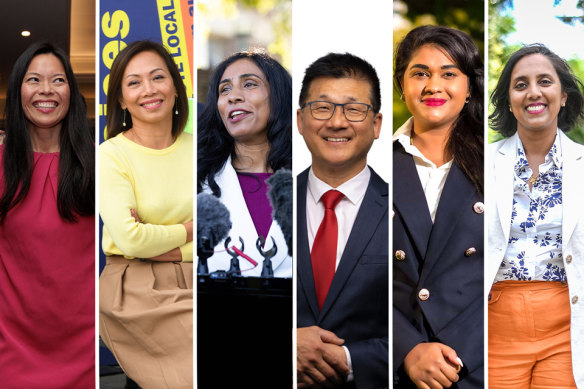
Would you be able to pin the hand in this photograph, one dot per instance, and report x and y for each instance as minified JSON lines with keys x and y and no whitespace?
{"x":173,"y":255}
{"x":432,"y":365}
{"x":322,"y":362}
{"x":189,"y":228}
{"x":134,"y":214}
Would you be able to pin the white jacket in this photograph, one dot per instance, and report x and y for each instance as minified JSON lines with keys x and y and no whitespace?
{"x":242,"y":226}
{"x":499,"y":204}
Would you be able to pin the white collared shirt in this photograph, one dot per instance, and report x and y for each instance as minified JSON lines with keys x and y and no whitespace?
{"x":346,"y":211}
{"x":534,"y":251}
{"x":432,"y":177}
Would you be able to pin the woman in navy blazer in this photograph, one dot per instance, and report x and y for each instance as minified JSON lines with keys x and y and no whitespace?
{"x":438,"y":212}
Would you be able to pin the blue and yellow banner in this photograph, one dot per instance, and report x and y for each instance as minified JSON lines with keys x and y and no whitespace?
{"x":169,"y":22}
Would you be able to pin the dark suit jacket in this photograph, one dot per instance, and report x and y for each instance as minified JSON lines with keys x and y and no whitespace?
{"x":357,"y":304}
{"x":435,"y":259}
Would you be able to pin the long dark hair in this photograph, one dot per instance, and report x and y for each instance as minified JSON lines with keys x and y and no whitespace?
{"x":466,"y":139}
{"x":504,"y":122}
{"x":115,"y":113}
{"x":76,"y":184}
{"x":214,"y":143}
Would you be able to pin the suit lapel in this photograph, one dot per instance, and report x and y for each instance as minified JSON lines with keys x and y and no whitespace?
{"x":572,"y":186}
{"x":457,"y":195}
{"x":503,"y":182}
{"x":304,"y":266}
{"x":409,"y":198}
{"x":371,"y":212}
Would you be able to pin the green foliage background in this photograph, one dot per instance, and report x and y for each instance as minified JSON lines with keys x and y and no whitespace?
{"x":500,"y":26}
{"x":468,"y":16}
{"x":464,"y":15}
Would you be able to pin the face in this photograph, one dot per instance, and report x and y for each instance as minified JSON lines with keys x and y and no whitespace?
{"x":148,"y":91}
{"x":535,"y":94}
{"x":338,"y":145}
{"x":45,"y":92}
{"x":244,"y":102}
{"x":434,"y":88}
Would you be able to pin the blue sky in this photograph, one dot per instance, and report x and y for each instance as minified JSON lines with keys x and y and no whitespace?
{"x":536,"y":22}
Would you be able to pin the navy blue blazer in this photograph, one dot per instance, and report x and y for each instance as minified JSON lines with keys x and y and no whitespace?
{"x":356,"y":307}
{"x":436,"y":259}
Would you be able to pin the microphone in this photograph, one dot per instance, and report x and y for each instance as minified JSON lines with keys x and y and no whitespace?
{"x":280,"y":195}
{"x":213,"y":225}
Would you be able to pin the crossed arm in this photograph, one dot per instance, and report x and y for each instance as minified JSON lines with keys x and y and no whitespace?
{"x":131,"y":236}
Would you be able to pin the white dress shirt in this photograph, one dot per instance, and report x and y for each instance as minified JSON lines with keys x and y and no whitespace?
{"x":346,"y":212}
{"x":432,"y":177}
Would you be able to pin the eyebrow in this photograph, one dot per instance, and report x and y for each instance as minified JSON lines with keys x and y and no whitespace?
{"x":52,"y":75}
{"x":350,"y":98}
{"x":241,"y":76}
{"x":426,"y":67}
{"x":523,"y":77}
{"x":152,"y":71}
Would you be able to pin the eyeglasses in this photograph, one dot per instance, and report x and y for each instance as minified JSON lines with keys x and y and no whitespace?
{"x":324,"y":110}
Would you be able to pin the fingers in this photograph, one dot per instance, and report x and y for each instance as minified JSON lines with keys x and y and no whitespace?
{"x":335,"y":357}
{"x":134,"y":214}
{"x":451,"y":357}
{"x":330,"y":337}
{"x":313,"y":369}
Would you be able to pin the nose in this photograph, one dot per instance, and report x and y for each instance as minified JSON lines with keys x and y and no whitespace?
{"x":433,"y":85}
{"x":149,"y":87}
{"x":533,"y":91}
{"x":338,"y":120}
{"x":235,"y":95}
{"x":46,"y":87}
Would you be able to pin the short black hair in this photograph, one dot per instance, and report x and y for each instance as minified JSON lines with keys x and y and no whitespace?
{"x":337,"y":65}
{"x":504,"y":122}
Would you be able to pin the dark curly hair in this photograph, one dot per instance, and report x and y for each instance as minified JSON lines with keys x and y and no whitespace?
{"x":215,"y":145}
{"x":466,"y":139}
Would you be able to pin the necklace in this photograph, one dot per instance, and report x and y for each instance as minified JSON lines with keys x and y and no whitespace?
{"x":532,"y":179}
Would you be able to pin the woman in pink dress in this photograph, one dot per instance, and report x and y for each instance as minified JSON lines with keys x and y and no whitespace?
{"x":47,"y":238}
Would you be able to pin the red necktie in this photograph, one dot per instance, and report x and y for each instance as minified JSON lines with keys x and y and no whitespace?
{"x":324,"y":248}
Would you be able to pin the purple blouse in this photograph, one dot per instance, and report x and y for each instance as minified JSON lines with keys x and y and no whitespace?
{"x":254,"y":188}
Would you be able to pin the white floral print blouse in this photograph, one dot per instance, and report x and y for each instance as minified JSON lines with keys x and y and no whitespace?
{"x":534,"y":251}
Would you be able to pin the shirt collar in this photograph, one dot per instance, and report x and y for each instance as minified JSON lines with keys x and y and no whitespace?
{"x":553,"y":156}
{"x":404,"y":136}
{"x":353,"y":189}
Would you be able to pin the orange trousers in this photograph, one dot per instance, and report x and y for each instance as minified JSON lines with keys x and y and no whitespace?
{"x":529,"y":336}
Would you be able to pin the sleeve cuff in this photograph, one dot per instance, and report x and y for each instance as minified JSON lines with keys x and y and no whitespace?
{"x":350,"y":376}
{"x":186,"y":251}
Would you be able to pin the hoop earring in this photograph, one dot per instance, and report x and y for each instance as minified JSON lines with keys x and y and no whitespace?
{"x":124,"y":120}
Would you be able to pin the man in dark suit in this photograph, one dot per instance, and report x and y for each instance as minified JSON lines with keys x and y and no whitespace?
{"x":342,"y":336}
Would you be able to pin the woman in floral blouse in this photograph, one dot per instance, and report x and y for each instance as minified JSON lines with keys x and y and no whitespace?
{"x":536,"y":226}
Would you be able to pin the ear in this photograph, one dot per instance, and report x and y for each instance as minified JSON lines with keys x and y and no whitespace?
{"x":299,"y":120}
{"x":564,"y":99}
{"x":377,"y":125}
{"x":122,"y":104}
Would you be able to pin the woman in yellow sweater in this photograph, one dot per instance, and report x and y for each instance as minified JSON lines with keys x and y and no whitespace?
{"x":146,"y":197}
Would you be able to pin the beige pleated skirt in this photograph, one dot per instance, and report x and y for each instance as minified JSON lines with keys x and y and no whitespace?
{"x":146,"y":320}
